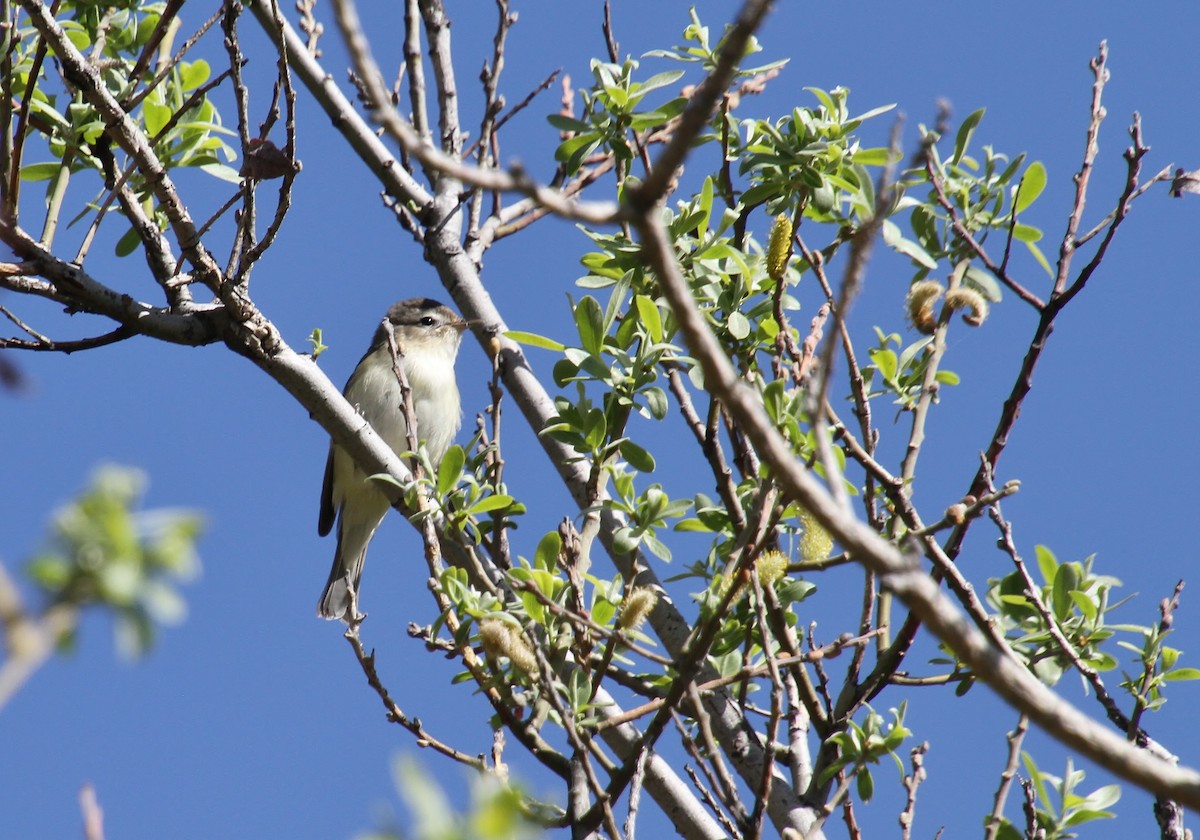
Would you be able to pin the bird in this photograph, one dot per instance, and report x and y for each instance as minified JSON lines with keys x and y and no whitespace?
{"x":427,"y":335}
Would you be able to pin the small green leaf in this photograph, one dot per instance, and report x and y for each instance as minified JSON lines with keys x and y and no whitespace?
{"x":450,"y":469}
{"x":128,"y":243}
{"x":865,"y":784}
{"x":490,"y":503}
{"x":1026,"y":233}
{"x":660,"y":80}
{"x":963,"y":138}
{"x":156,"y":116}
{"x":1032,"y":184}
{"x":534,"y":340}
{"x":548,"y":548}
{"x":1182,"y":674}
{"x":656,"y":402}
{"x":872,"y":157}
{"x":1065,"y":581}
{"x":564,"y":123}
{"x":982,"y":282}
{"x":637,"y":457}
{"x":1086,"y":604}
{"x":40,"y":171}
{"x":651,"y":317}
{"x":573,"y":150}
{"x":1047,"y":563}
{"x":885,"y":360}
{"x":225,"y":173}
{"x":192,"y":74}
{"x":624,"y":540}
{"x":589,"y":320}
{"x":739,"y":325}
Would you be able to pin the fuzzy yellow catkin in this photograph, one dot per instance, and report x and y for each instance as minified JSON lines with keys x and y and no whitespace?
{"x":922,"y":295}
{"x":636,"y":607}
{"x":499,"y":639}
{"x":815,"y":542}
{"x":779,"y":247}
{"x":974,"y":303}
{"x":493,"y":635}
{"x":771,"y":565}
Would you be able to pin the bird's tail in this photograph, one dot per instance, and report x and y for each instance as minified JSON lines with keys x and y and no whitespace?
{"x":340,"y":598}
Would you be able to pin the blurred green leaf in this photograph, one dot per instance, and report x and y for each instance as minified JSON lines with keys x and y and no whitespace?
{"x":1032,"y":184}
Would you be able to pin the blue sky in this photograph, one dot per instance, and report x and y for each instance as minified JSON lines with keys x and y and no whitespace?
{"x":252,"y":718}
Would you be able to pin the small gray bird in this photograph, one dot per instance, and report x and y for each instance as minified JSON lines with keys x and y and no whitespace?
{"x":427,"y":334}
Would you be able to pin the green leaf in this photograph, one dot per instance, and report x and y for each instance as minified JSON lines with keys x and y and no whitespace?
{"x":982,"y":282}
{"x":1182,"y":674}
{"x":490,"y":503}
{"x":624,"y":540}
{"x":738,"y":324}
{"x":660,"y":80}
{"x":156,"y":116}
{"x":637,"y":457}
{"x":885,"y":360}
{"x":651,"y":317}
{"x":656,"y":402}
{"x":1026,"y":233}
{"x":534,"y":340}
{"x":963,"y":138}
{"x":865,"y":784}
{"x":128,"y":243}
{"x":192,"y":74}
{"x":1065,"y":581}
{"x":574,"y":149}
{"x":872,"y":157}
{"x":1086,"y":815}
{"x":564,"y":123}
{"x":1086,"y":604}
{"x":40,"y":171}
{"x":1032,"y":184}
{"x":219,"y":170}
{"x":1047,"y":563}
{"x":450,"y":469}
{"x":589,"y":320}
{"x":603,"y":612}
{"x":893,"y":238}
{"x":548,"y":548}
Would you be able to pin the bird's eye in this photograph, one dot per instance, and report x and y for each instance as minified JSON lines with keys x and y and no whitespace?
{"x":427,"y":321}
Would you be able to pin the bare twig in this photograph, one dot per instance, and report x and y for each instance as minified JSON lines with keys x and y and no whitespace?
{"x":1015,"y":739}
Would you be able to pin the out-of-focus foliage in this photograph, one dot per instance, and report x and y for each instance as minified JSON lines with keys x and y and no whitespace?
{"x":105,"y":553}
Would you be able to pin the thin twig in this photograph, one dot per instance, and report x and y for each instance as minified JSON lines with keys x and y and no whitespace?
{"x":1015,"y":739}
